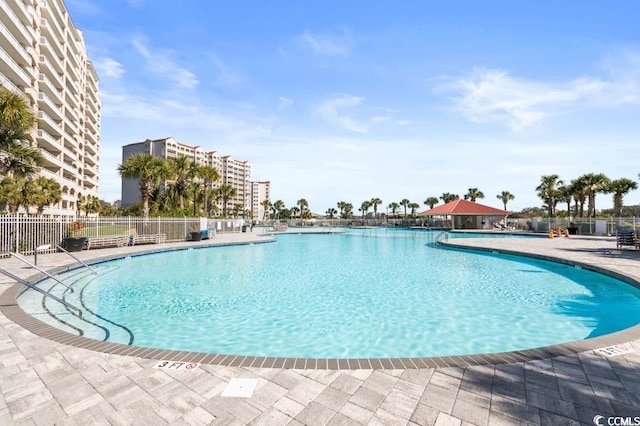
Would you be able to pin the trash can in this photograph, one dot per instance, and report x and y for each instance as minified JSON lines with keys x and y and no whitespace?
{"x":244,"y":228}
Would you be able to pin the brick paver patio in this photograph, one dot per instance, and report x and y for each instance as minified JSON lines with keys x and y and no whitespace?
{"x":43,"y":382}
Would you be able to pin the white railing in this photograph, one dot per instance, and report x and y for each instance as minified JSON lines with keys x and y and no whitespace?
{"x":22,"y":233}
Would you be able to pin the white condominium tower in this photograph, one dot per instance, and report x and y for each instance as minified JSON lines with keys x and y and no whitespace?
{"x":43,"y":56}
{"x":260,"y":191}
{"x":232,"y":172}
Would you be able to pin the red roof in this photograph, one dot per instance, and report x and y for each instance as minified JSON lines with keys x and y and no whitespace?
{"x":464,"y":207}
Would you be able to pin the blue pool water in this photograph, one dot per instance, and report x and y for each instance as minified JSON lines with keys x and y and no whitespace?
{"x":366,"y":293}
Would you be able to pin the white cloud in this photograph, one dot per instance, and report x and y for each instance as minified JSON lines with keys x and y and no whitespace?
{"x":107,"y":67}
{"x":331,"y":111}
{"x":161,"y":63}
{"x":349,"y":112}
{"x":325,"y":45}
{"x":284,"y":103}
{"x":493,"y":95}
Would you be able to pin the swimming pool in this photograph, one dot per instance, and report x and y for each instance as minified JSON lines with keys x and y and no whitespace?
{"x":366,"y":293}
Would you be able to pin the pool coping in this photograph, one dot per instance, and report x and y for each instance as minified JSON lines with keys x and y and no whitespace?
{"x":11,"y":309}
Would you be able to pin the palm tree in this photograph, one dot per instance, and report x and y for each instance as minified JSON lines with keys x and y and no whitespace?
{"x":226,"y":192}
{"x":547,"y":190}
{"x":17,"y":158}
{"x":49,"y":192}
{"x":364,"y":207}
{"x":277,"y":208}
{"x":375,"y":202}
{"x":447,"y":197}
{"x":209,"y":176}
{"x":565,"y":193}
{"x":579,"y":191}
{"x":505,"y":197}
{"x":89,"y":204}
{"x":394,"y":208}
{"x":295,"y":211}
{"x":181,"y":170}
{"x":473,"y":194}
{"x":405,"y":203}
{"x":302,"y":204}
{"x":341,"y":205}
{"x":331,"y":212}
{"x":347,"y":211}
{"x":413,"y":207}
{"x":266,"y":204}
{"x":18,"y":192}
{"x":594,"y":183}
{"x":619,"y":188}
{"x":149,"y":170}
{"x":431,"y":201}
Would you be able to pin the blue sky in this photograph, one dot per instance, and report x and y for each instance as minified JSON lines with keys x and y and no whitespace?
{"x":348,"y":100}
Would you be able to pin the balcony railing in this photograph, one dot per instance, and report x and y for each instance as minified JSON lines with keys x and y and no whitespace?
{"x":17,"y":46}
{"x":15,"y":68}
{"x":19,"y":24}
{"x":57,"y":94}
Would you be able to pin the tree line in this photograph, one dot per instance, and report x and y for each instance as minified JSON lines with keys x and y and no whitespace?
{"x":583,"y":189}
{"x":179,"y":187}
{"x":345,"y":210}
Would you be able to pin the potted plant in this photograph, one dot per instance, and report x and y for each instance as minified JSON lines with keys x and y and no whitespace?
{"x":74,"y":240}
{"x":196,"y":235}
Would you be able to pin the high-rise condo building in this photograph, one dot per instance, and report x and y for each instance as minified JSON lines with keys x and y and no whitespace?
{"x":43,"y":57}
{"x":232,"y":172}
{"x":260,"y":191}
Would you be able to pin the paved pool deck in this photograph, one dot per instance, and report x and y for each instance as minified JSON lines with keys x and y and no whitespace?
{"x":45,"y":382}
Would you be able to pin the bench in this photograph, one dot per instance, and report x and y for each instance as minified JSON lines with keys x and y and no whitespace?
{"x":108,"y":241}
{"x":148,"y":239}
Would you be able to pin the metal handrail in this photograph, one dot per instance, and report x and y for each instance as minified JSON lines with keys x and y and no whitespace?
{"x":22,"y":259}
{"x":38,"y":289}
{"x":84,"y":264}
{"x":441,"y":235}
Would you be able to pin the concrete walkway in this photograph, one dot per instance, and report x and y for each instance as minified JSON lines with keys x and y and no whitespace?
{"x":44,"y":382}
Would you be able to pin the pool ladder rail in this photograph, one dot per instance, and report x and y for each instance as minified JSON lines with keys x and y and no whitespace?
{"x":38,"y":289}
{"x":442,"y":235}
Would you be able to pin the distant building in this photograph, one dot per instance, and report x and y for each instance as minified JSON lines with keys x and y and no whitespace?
{"x":232,"y":172}
{"x":260,"y":191}
{"x":44,"y":58}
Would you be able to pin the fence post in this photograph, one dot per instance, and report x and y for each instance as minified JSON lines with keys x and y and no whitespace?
{"x":17,"y":232}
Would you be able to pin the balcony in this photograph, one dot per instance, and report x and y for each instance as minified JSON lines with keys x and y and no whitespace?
{"x":48,"y":142}
{"x":72,"y":82}
{"x":13,"y":71}
{"x":9,"y":42}
{"x":71,"y":114}
{"x":45,"y":102}
{"x":15,"y":24}
{"x":49,"y":87}
{"x":50,"y":55}
{"x":70,"y":127}
{"x":48,"y":124}
{"x":92,"y":140}
{"x":50,"y":174}
{"x":21,"y":11}
{"x":51,"y":161}
{"x":53,"y":66}
{"x":48,"y":69}
{"x":51,"y":26}
{"x":72,"y":100}
{"x":53,"y":45}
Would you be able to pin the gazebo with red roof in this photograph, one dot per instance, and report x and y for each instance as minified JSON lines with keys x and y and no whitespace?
{"x":468,"y":214}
